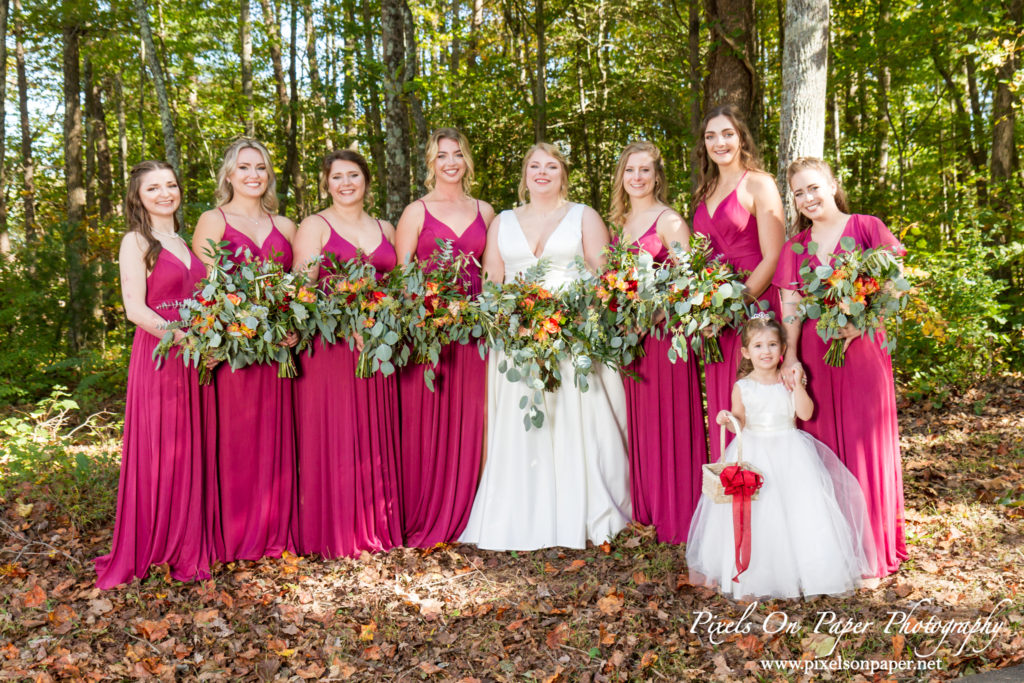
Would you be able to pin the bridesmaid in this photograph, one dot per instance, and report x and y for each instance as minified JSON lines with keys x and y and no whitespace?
{"x":347,"y":427}
{"x":442,"y":430}
{"x":250,"y":434}
{"x":739,"y":208}
{"x":856,"y":403}
{"x":160,"y":495}
{"x":667,"y":441}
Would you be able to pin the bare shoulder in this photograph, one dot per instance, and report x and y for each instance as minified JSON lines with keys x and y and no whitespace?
{"x":760,"y":183}
{"x":285,"y":225}
{"x":414,"y":211}
{"x":387,"y":229}
{"x":670,"y":219}
{"x":212,"y":219}
{"x":487,"y":211}
{"x":133,"y":243}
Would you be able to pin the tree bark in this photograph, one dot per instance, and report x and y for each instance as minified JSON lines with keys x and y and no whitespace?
{"x":270,"y":23}
{"x":292,"y":167}
{"x":100,"y":145}
{"x":540,"y":97}
{"x":883,"y":120}
{"x":396,"y":132}
{"x":696,"y":115}
{"x":412,"y":72}
{"x":245,"y":37}
{"x":804,"y":87}
{"x":166,"y":119}
{"x":122,"y":130}
{"x":373,"y":112}
{"x":581,"y":93}
{"x":475,"y":22}
{"x":316,"y":85}
{"x":75,"y":240}
{"x":732,"y":78}
{"x":456,"y":27}
{"x":1005,"y":161}
{"x":5,"y":238}
{"x":27,"y":165}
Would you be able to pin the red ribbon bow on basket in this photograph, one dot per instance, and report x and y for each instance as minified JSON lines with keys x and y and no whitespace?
{"x":741,"y":484}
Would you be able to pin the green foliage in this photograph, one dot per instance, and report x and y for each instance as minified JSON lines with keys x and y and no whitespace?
{"x":75,"y":467}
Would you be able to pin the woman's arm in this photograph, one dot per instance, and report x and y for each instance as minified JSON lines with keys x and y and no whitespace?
{"x":132,"y":264}
{"x":407,"y":234}
{"x":308,"y":244}
{"x":595,"y":239}
{"x":210,"y":227}
{"x":771,"y":233}
{"x":673,"y":229}
{"x":493,"y":265}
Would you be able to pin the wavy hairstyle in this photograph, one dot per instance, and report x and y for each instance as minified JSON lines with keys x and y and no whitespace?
{"x":434,"y":142}
{"x":225,"y":193}
{"x":354,"y":157}
{"x":822,"y":166}
{"x":753,"y":325}
{"x":135,"y":213}
{"x":707,"y":170}
{"x":547,"y":148}
{"x":620,"y":198}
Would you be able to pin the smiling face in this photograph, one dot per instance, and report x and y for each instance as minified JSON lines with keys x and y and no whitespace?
{"x":450,"y":164}
{"x":639,"y":177}
{"x":814,"y":194}
{"x":764,"y":349}
{"x":544,"y":174}
{"x":250,"y":176}
{"x":159,"y":193}
{"x":346,"y":183}
{"x":722,"y":141}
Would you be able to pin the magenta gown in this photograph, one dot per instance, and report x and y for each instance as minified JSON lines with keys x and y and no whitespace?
{"x":250,"y":437}
{"x":855,"y":405}
{"x":734,"y":239}
{"x":160,"y":493}
{"x":667,"y":441}
{"x":347,"y":431}
{"x":443,"y":430}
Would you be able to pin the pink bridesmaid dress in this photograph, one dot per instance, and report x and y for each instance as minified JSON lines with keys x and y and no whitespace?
{"x":160,"y":494}
{"x":855,"y":405}
{"x":250,"y":437}
{"x":734,"y":239}
{"x":443,"y":430}
{"x":667,"y":440}
{"x":347,"y":431}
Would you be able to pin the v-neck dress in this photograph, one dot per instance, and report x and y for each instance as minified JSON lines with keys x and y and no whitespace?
{"x":855,"y":405}
{"x":347,"y":440}
{"x":250,"y":435}
{"x":160,"y":492}
{"x":443,"y":429}
{"x":667,"y":441}
{"x":734,"y":239}
{"x":567,"y":482}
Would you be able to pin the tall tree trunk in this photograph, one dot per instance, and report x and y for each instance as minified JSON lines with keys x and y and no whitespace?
{"x":166,"y":119}
{"x":316,"y":85}
{"x":412,"y":72}
{"x":456,"y":37}
{"x":100,"y":145}
{"x":804,"y":86}
{"x":245,"y":37}
{"x":5,"y":238}
{"x":972,"y":153}
{"x":693,"y":34}
{"x":272,"y":26}
{"x":581,"y":93}
{"x":75,"y":239}
{"x":883,"y":120}
{"x":540,"y":91}
{"x":396,"y":132}
{"x":122,"y":131}
{"x":1005,"y":161}
{"x":475,"y":22}
{"x":90,"y":143}
{"x":292,"y":168}
{"x":373,"y":113}
{"x":27,"y":165}
{"x":732,"y":78}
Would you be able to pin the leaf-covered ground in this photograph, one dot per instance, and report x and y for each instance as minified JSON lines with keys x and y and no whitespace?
{"x":618,"y":612}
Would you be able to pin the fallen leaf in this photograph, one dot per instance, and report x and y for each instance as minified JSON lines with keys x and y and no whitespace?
{"x":557,"y":635}
{"x":750,"y":645}
{"x":372,"y":652}
{"x":606,"y":637}
{"x":205,"y":616}
{"x":23,"y":509}
{"x":35,"y":597}
{"x":898,"y":641}
{"x":611,"y":603}
{"x":367,"y":631}
{"x":429,"y":668}
{"x":575,"y":566}
{"x":648,"y":659}
{"x":100,"y":606}
{"x":153,"y":631}
{"x":431,"y":609}
{"x":818,"y":644}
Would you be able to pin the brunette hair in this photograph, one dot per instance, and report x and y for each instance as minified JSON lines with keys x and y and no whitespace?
{"x":547,"y":148}
{"x":225,"y":192}
{"x":620,"y":199}
{"x":707,"y":170}
{"x":754,"y":324}
{"x":820,"y":165}
{"x":135,"y":213}
{"x":346,"y":155}
{"x":433,"y":142}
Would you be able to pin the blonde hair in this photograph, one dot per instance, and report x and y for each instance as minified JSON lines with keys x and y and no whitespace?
{"x":433,"y":144}
{"x":752,"y":326}
{"x":707,"y":170}
{"x":620,"y":199}
{"x":225,"y":193}
{"x":822,"y":166}
{"x":550,"y":149}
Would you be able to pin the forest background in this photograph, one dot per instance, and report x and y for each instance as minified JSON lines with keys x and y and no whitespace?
{"x":920,"y":116}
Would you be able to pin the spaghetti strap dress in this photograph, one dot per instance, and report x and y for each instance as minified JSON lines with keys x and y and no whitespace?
{"x":734,"y":240}
{"x":443,"y":430}
{"x":160,"y":492}
{"x":667,"y":441}
{"x":855,"y":405}
{"x":348,"y":440}
{"x":250,"y":438}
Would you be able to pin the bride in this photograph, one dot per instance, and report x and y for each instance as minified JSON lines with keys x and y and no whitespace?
{"x":566,"y":482}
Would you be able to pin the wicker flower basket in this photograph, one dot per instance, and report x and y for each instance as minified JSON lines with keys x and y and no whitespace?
{"x":712,"y":483}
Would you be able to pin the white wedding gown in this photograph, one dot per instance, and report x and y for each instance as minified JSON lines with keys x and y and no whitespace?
{"x":809,"y":528}
{"x":567,"y":482}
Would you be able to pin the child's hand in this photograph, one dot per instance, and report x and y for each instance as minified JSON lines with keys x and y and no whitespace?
{"x":723,"y":418}
{"x":797,"y":376}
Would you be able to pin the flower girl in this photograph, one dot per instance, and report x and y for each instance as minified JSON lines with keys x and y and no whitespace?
{"x":808,"y":524}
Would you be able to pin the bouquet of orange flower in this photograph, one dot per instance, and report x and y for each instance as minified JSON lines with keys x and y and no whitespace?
{"x":240,"y":314}
{"x":369,"y":309}
{"x":525,"y":321}
{"x":438,"y":308}
{"x":702,"y":294}
{"x":864,"y":288}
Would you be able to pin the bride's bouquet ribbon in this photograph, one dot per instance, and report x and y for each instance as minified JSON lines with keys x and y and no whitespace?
{"x":741,"y":484}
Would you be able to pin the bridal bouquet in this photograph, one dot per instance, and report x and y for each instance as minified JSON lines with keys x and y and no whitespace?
{"x":437,"y":307}
{"x":864,"y":288}
{"x":241,"y":315}
{"x":703,"y":294}
{"x":368,"y":309}
{"x":527,"y":322}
